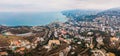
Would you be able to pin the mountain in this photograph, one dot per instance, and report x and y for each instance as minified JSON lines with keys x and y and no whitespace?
{"x":110,"y":12}
{"x":89,"y":15}
{"x":80,"y":14}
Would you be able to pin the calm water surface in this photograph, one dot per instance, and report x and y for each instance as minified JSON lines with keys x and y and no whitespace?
{"x":30,"y":18}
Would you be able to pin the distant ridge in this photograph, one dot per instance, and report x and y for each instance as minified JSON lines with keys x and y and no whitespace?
{"x":110,"y":12}
{"x":80,"y":14}
{"x":88,"y":15}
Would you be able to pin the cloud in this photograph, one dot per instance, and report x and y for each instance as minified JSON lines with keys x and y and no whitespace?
{"x":55,"y":5}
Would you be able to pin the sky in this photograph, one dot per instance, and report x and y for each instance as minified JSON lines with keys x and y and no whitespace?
{"x":55,"y":5}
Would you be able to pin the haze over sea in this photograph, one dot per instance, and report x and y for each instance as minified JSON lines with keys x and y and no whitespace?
{"x":30,"y":18}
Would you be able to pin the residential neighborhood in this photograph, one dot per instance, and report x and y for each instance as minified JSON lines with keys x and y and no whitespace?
{"x":61,"y":39}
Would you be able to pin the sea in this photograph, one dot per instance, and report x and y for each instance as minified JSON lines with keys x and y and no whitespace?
{"x":30,"y":18}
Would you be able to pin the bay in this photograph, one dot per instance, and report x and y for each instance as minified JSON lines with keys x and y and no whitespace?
{"x":30,"y":18}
